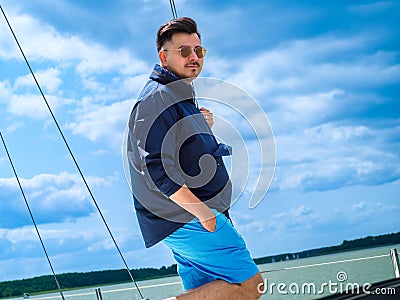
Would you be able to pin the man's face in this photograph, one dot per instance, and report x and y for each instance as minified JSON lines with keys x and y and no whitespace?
{"x":172,"y":60}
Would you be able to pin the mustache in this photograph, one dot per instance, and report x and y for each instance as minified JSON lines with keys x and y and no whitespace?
{"x":192,"y":63}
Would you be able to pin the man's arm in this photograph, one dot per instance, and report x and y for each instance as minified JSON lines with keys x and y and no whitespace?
{"x":188,"y":201}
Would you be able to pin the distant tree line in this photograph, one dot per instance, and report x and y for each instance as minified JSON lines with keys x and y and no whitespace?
{"x":357,"y":244}
{"x":76,"y":280}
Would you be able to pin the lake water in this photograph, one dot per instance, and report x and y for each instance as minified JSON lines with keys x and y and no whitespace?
{"x":307,"y":278}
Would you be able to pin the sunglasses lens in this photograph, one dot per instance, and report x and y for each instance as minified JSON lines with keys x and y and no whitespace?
{"x":186,"y":51}
{"x":200,"y":51}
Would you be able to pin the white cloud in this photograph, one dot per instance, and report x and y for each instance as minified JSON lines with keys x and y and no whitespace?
{"x":371,"y":8}
{"x":100,"y":245}
{"x":106,"y":123}
{"x":115,"y":89}
{"x":14,"y":126}
{"x":20,"y":102}
{"x":71,"y":249}
{"x":304,"y":87}
{"x":303,"y":218}
{"x":246,"y":224}
{"x":53,"y":197}
{"x":314,"y":65}
{"x":296,"y":219}
{"x":90,"y":60}
{"x":98,"y":59}
{"x":5,"y":91}
{"x":29,"y":234}
{"x":43,"y":43}
{"x":365,"y":209}
{"x":304,"y":110}
{"x":48,"y":79}
{"x":33,"y":106}
{"x":331,"y":155}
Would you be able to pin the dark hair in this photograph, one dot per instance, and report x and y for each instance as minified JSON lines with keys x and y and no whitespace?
{"x":167,"y":30}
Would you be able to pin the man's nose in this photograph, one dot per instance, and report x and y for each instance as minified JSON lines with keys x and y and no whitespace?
{"x":193,"y":56}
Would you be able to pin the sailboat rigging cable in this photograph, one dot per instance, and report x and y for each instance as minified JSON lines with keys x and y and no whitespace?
{"x":173,"y":9}
{"x":71,"y":154}
{"x":30,"y":213}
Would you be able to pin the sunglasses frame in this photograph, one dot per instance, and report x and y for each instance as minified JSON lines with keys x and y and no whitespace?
{"x":197,"y":50}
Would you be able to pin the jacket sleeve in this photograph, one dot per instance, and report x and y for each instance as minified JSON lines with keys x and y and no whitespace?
{"x":156,"y":131}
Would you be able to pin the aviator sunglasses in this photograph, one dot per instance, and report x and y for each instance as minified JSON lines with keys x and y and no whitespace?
{"x":185,"y":51}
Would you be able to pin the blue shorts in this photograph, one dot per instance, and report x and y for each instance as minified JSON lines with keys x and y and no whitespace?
{"x":204,"y":256}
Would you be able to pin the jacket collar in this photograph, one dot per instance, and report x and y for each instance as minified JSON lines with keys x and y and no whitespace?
{"x":182,"y":89}
{"x":162,"y":75}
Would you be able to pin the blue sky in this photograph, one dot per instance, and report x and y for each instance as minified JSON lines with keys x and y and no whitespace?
{"x":326,"y":73}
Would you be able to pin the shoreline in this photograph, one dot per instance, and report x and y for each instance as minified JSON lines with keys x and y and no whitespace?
{"x":324,"y":251}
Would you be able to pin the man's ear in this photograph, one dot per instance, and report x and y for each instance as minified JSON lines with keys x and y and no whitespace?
{"x":162,"y":58}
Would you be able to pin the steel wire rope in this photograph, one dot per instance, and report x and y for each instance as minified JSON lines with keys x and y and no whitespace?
{"x":173,"y":9}
{"x":32,"y":217}
{"x":71,"y":153}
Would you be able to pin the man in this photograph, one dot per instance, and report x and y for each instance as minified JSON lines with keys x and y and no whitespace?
{"x":180,"y":185}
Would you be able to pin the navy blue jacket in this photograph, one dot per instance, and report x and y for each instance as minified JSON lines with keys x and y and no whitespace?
{"x":170,"y":144}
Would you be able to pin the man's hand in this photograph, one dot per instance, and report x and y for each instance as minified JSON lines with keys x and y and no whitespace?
{"x":187,"y":200}
{"x":210,"y":222}
{"x":208,"y":115}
